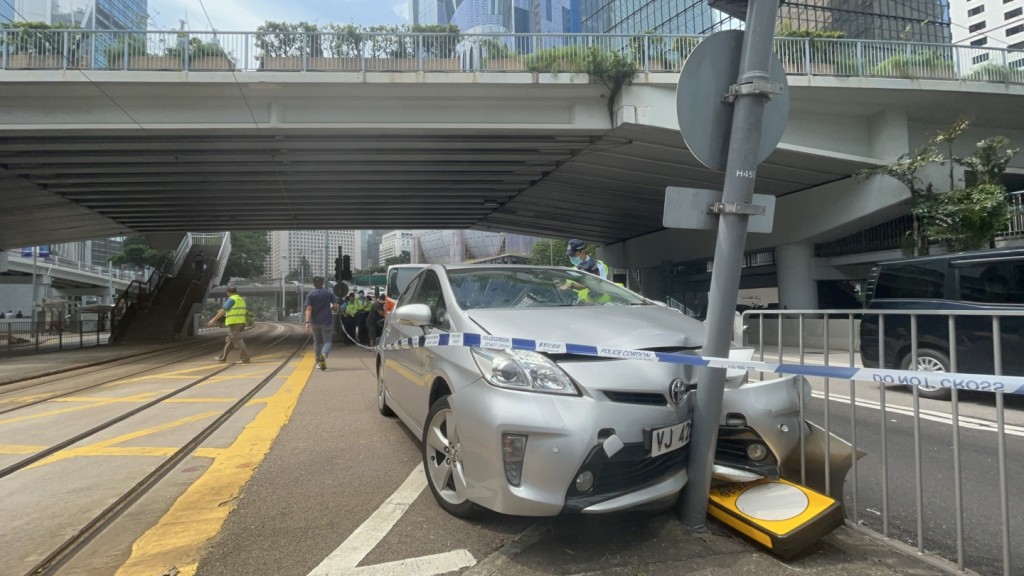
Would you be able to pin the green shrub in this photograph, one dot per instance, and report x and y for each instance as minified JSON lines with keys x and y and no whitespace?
{"x":996,"y":73}
{"x":926,"y":64}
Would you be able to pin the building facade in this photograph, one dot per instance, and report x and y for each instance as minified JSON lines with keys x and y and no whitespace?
{"x":499,"y":16}
{"x":913,"y":20}
{"x":88,"y":14}
{"x":991,"y":24}
{"x":395,"y":242}
{"x":459,"y":246}
{"x":318,"y":247}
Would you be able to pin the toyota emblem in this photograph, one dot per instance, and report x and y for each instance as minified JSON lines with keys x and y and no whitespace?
{"x":677,"y":391}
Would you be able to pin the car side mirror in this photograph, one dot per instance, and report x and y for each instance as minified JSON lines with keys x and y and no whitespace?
{"x":413,"y":315}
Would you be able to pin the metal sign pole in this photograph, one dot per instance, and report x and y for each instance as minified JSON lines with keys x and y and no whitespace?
{"x":750,"y":90}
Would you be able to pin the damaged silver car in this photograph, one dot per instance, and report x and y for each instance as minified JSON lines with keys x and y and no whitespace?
{"x":530,"y":418}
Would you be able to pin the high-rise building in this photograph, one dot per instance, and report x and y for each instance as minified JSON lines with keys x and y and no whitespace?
{"x":458,"y":246}
{"x":909,"y":20}
{"x":989,"y":23}
{"x":88,"y":14}
{"x":395,"y":242}
{"x":318,"y":247}
{"x":428,"y":12}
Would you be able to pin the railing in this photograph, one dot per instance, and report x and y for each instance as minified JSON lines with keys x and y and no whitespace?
{"x":126,"y":273}
{"x":52,"y":336}
{"x":947,"y":492}
{"x":1016,"y":227}
{"x":439,"y":52}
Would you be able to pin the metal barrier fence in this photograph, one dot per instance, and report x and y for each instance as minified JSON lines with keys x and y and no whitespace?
{"x":340,"y":51}
{"x":952,"y":480}
{"x":40,"y":336}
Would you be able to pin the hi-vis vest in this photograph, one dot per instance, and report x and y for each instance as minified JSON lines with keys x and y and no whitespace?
{"x":236,"y":315}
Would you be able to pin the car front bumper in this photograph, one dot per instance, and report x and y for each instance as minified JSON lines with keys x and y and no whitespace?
{"x":566,"y":435}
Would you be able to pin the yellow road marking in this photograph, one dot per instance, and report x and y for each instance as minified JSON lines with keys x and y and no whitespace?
{"x":114,"y":450}
{"x":171,"y":401}
{"x":20,"y":449}
{"x":144,"y":397}
{"x":197,"y":516}
{"x":93,"y":449}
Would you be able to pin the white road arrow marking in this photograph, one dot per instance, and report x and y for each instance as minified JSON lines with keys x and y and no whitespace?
{"x":343,"y":561}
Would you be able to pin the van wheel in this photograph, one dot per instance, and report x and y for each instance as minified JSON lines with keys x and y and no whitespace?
{"x":930,"y":360}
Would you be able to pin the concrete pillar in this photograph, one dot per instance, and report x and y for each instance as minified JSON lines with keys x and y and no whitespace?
{"x":797,"y":288}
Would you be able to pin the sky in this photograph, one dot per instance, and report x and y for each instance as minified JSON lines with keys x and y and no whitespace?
{"x":246,"y":15}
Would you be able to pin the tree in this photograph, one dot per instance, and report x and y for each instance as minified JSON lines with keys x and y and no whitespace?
{"x":138,"y":253}
{"x":549,"y":253}
{"x":248,"y":253}
{"x":965,"y":217}
{"x":304,"y":272}
{"x":403,"y":258}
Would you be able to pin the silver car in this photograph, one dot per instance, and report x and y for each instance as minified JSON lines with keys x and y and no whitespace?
{"x":553,"y":429}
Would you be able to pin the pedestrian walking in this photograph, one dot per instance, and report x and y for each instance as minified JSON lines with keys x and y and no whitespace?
{"x":234,"y":314}
{"x":320,"y":303}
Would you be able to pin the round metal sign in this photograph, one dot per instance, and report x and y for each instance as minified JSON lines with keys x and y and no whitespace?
{"x":705,"y":118}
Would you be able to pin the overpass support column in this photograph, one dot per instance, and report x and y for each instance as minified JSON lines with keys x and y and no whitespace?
{"x":797,"y":289}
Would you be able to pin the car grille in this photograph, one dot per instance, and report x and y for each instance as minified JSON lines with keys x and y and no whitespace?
{"x":631,"y":468}
{"x":645,"y":398}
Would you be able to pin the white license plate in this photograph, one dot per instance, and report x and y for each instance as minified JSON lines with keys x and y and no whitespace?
{"x":669,"y":438}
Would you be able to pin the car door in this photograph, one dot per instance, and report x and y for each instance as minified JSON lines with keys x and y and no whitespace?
{"x":400,"y":366}
{"x":995,"y":284}
{"x":424,"y":360}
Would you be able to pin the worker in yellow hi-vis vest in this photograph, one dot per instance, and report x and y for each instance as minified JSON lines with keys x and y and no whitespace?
{"x":234,"y":315}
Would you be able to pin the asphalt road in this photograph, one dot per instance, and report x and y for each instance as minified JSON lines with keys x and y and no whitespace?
{"x":982,"y":532}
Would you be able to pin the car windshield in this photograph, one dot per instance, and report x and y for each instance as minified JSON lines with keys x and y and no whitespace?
{"x":521,"y":287}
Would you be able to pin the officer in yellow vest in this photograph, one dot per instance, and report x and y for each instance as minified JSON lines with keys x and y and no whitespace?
{"x":234,"y":314}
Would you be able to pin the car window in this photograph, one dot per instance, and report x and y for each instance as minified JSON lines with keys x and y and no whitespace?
{"x":399,"y":278}
{"x":408,"y":294}
{"x":918,"y":281}
{"x":429,"y":292}
{"x":523,"y":287}
{"x":1000,"y":282}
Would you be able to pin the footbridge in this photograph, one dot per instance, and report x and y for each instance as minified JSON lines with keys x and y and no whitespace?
{"x":474,"y":140}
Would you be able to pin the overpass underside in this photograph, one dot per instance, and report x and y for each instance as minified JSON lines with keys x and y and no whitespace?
{"x":85,"y":156}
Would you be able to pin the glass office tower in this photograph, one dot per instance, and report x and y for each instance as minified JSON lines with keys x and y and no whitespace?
{"x":909,"y":20}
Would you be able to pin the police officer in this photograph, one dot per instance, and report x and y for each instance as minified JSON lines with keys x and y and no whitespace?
{"x":577,"y":253}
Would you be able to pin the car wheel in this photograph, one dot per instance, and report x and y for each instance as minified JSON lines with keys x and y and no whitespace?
{"x":443,"y":463}
{"x":382,"y":403}
{"x":929,"y":360}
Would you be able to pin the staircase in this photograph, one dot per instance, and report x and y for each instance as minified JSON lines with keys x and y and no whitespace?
{"x":166,"y":316}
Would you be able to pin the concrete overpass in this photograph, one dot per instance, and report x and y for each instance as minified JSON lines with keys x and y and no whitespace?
{"x":85,"y":155}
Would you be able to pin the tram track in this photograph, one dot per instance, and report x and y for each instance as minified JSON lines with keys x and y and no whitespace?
{"x":66,"y":551}
{"x":52,"y":378}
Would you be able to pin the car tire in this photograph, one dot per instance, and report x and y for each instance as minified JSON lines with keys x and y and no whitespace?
{"x":382,"y":402}
{"x":930,"y":360}
{"x":442,"y":464}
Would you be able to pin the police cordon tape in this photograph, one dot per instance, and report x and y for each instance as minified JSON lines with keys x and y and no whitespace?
{"x":1007,"y":384}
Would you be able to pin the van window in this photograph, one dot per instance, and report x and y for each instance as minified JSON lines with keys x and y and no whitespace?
{"x":1000,"y":282}
{"x":398,"y":279}
{"x":919,"y":281}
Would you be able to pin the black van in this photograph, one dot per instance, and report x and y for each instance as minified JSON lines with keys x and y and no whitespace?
{"x":984,"y":280}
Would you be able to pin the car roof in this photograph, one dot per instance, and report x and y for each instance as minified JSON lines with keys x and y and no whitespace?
{"x":976,"y":254}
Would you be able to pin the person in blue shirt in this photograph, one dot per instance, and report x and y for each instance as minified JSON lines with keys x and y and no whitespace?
{"x":320,"y":303}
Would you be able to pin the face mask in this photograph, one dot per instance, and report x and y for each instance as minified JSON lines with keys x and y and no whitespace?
{"x":575,"y":260}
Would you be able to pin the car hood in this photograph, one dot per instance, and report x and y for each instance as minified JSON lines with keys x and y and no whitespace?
{"x":633,"y":327}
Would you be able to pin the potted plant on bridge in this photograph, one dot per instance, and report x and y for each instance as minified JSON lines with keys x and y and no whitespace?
{"x":37,"y":45}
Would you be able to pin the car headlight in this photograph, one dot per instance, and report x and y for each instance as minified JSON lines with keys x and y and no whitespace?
{"x":522,"y":370}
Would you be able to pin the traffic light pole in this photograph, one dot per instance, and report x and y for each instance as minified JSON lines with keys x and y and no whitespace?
{"x":749,"y":94}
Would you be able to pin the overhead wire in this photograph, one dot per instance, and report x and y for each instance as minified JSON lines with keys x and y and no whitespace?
{"x":69,"y":65}
{"x":256,"y":124}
